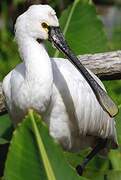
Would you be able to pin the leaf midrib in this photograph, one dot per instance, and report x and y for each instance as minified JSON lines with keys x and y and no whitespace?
{"x":42,"y":150}
{"x":67,"y":23}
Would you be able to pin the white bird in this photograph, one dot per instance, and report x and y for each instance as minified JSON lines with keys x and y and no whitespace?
{"x":73,"y":105}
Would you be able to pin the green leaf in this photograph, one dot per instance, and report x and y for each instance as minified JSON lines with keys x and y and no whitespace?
{"x":67,"y":23}
{"x":6,"y":128}
{"x":114,"y":90}
{"x":116,"y":37}
{"x":46,"y":162}
{"x":115,"y":156}
{"x":108,"y":175}
{"x":85,"y":32}
{"x":119,"y":106}
{"x":33,"y":154}
{"x":113,"y":175}
{"x":83,"y":28}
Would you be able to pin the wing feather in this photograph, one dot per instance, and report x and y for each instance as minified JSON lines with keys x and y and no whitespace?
{"x":92,"y":119}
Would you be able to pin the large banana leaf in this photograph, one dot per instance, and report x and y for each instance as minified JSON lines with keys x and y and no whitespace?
{"x":34,"y":155}
{"x":82,"y":28}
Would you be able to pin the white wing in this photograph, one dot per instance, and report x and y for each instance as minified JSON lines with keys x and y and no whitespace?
{"x":80,"y":101}
{"x":11,"y":86}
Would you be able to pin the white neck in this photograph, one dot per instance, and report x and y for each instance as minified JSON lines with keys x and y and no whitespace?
{"x":38,"y":71}
{"x":36,"y":59}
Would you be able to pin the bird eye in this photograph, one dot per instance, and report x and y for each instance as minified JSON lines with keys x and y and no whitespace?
{"x":45,"y":25}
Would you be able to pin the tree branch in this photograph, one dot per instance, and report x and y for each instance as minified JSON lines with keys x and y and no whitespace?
{"x":107,"y":66}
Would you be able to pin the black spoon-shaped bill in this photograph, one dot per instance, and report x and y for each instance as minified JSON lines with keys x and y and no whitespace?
{"x":57,"y":38}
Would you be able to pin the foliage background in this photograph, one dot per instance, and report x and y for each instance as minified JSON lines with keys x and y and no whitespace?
{"x":105,"y":37}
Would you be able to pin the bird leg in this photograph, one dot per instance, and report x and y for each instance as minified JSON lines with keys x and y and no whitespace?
{"x":101,"y":145}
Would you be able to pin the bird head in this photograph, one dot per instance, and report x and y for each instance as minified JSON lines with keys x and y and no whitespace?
{"x":35,"y":22}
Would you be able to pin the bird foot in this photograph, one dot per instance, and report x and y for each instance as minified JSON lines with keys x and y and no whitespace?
{"x":79,"y":170}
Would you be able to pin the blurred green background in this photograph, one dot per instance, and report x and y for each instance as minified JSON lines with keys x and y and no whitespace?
{"x":104,"y":35}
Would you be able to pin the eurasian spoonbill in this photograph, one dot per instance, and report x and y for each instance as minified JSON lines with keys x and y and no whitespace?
{"x":74,"y":105}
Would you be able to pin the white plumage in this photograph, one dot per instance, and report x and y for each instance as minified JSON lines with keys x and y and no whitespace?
{"x":54,"y":88}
